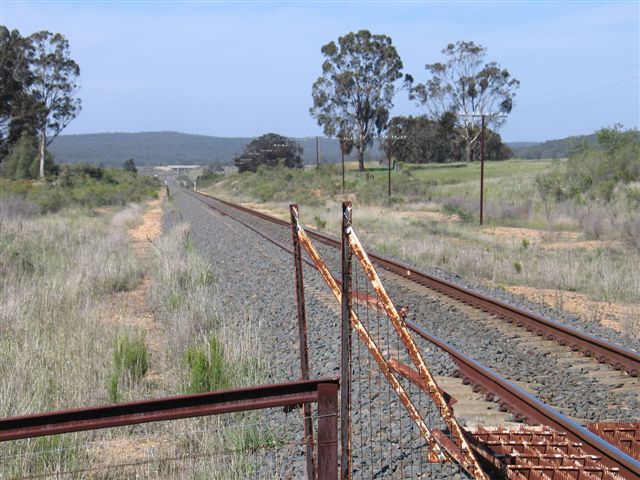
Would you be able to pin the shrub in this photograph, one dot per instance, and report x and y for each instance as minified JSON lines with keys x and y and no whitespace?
{"x":130,"y":363}
{"x":453,"y":208}
{"x":517,"y":267}
{"x":207,"y":368}
{"x":320,"y":223}
{"x":17,"y":207}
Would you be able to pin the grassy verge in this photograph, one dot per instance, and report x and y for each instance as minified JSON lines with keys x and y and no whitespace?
{"x":432,"y":220}
{"x":56,"y":273}
{"x":63,"y":345}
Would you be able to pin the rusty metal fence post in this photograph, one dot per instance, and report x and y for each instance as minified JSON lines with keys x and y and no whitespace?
{"x":345,"y":348}
{"x":328,"y":431}
{"x":302,"y":333}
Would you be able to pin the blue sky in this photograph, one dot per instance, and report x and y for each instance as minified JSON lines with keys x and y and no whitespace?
{"x":246,"y":68}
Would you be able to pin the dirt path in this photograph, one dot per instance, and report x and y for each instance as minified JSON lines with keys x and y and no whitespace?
{"x":136,"y":311}
{"x":130,"y":309}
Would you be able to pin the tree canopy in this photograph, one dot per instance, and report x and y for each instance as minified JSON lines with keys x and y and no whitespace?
{"x":269,"y":150}
{"x":467,"y":87}
{"x":38,"y":87}
{"x":425,"y":141}
{"x":54,"y":86}
{"x":354,"y":94}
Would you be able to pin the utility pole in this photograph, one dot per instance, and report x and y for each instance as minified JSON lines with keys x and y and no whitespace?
{"x":390,"y":141}
{"x":342,"y":152}
{"x":482,"y":126}
{"x":481,"y":168}
{"x":389,"y":163}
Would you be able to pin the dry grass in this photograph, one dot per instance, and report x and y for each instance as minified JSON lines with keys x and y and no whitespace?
{"x":61,"y":276}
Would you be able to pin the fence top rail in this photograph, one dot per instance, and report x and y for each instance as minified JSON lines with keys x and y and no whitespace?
{"x":165,"y":408}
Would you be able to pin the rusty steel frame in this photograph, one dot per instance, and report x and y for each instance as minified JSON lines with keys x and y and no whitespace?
{"x":470,"y":463}
{"x":303,"y":344}
{"x":345,"y":348}
{"x":617,"y":356}
{"x":322,"y":391}
{"x":436,"y":453}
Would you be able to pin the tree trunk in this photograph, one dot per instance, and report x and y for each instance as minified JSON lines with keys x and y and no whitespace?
{"x":468,"y":152}
{"x":43,"y":141}
{"x":361,"y":160}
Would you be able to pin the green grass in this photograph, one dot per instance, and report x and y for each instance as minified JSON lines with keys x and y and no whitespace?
{"x":207,"y":367}
{"x":130,"y":363}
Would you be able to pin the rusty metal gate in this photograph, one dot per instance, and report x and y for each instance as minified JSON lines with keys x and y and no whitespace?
{"x":395,"y":420}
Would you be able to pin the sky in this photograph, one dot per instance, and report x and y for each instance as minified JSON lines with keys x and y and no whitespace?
{"x":246,"y":68}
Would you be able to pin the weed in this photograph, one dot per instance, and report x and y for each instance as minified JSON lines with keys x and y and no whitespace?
{"x":207,"y":367}
{"x":525,"y":243}
{"x":130,"y":363}
{"x":319,"y":222}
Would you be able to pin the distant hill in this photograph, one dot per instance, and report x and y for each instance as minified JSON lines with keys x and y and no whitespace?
{"x":171,"y":148}
{"x":551,"y":148}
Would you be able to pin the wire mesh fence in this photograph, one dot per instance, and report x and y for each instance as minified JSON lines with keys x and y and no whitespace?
{"x":386,"y":442}
{"x":258,"y":445}
{"x":395,"y":420}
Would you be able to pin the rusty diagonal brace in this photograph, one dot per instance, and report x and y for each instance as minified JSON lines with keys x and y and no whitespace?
{"x":471,"y":463}
{"x":436,"y":453}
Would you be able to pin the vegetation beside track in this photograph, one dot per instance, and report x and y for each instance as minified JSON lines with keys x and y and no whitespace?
{"x":572,"y":241}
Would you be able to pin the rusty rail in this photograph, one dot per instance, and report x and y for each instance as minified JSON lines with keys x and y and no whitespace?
{"x":617,"y":356}
{"x":534,"y":410}
{"x":322,"y":391}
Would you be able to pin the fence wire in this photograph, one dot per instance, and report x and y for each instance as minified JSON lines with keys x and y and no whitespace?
{"x":254,"y":445}
{"x":386,"y":442}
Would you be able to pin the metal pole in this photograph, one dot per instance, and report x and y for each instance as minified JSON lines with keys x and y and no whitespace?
{"x":389,"y":162}
{"x":328,"y":431}
{"x":481,"y":169}
{"x":302,"y":333}
{"x":342,"y":151}
{"x":345,"y":351}
{"x":317,"y":153}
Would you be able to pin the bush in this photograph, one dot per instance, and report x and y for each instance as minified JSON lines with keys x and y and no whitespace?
{"x":453,"y":208}
{"x":207,"y":368}
{"x":130,"y":364}
{"x":17,"y":207}
{"x":85,"y":186}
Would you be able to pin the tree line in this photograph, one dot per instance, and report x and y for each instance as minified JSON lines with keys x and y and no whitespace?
{"x":38,"y":90}
{"x":361,"y":76}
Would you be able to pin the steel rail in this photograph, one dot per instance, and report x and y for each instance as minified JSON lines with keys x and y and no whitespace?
{"x":161,"y":409}
{"x":534,"y":409}
{"x":619,"y":357}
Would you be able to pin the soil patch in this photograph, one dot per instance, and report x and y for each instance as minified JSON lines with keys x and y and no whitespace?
{"x":618,"y":316}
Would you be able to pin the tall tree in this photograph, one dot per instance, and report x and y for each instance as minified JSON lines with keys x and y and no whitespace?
{"x":269,"y":150}
{"x":54,"y":87}
{"x":357,"y":86}
{"x":466,"y":86}
{"x":16,"y":112}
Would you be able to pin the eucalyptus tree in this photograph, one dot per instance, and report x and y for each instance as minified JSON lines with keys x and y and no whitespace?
{"x":54,"y":87}
{"x":360,"y":76}
{"x":15,"y":77}
{"x":269,"y":149}
{"x":468,"y":88}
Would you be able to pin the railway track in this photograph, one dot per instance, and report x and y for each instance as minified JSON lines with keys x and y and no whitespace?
{"x":536,"y":331}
